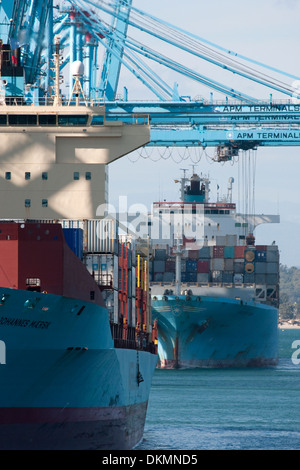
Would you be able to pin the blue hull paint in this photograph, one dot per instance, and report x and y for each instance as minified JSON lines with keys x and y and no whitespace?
{"x":64,"y":385}
{"x":215,"y":332}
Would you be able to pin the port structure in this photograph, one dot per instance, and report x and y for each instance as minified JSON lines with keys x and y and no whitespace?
{"x":240,"y":122}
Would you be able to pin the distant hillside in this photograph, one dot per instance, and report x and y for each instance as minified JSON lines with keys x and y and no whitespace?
{"x":289,"y":292}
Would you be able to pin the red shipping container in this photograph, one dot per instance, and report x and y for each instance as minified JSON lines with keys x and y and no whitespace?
{"x":193,"y":254}
{"x":170,"y":266}
{"x":261,"y":247}
{"x":218,"y":252}
{"x":239,"y":251}
{"x":203,"y":266}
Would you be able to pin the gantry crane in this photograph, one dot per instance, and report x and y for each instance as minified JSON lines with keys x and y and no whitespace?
{"x":84,"y":26}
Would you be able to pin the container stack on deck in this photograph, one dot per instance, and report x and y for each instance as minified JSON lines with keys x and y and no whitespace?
{"x":120,"y":266}
{"x":221,"y":264}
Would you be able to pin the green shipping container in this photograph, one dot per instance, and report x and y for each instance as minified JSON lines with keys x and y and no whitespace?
{"x":229,"y":252}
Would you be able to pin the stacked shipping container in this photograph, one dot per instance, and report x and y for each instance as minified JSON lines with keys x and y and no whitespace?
{"x":74,"y":240}
{"x":122,"y":273}
{"x":220,"y":264}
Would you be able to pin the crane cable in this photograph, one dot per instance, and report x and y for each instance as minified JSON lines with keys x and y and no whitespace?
{"x":154,"y":26}
{"x":246,"y":188}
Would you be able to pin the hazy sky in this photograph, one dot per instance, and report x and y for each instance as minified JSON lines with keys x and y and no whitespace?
{"x":265,"y":30}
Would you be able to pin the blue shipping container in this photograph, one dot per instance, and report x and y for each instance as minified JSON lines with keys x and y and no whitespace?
{"x":205,"y":252}
{"x":191,"y":266}
{"x":74,"y":240}
{"x":261,"y":256}
{"x":191,"y":277}
{"x":161,"y":254}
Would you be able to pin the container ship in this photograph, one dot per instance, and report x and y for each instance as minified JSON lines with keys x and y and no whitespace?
{"x":78,"y":348}
{"x":215,"y":293}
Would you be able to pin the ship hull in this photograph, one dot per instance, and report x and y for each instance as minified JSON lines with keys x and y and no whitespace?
{"x":63,"y":383}
{"x":215,"y":332}
{"x":103,"y":428}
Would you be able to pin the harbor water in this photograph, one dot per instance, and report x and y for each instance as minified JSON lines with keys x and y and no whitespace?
{"x":228,"y":409}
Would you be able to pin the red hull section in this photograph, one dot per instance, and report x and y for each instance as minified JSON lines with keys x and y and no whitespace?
{"x":35,"y":256}
{"x":72,"y":428}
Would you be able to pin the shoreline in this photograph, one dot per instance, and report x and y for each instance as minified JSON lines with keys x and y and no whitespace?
{"x":286,"y":325}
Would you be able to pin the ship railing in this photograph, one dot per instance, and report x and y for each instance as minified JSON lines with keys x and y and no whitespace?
{"x":127,"y":344}
{"x":235,"y":102}
{"x":268,"y":300}
{"x":129,"y":338}
{"x":205,"y":284}
{"x":49,"y":100}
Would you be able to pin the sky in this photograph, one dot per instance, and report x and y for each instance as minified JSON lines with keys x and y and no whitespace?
{"x":265,"y":30}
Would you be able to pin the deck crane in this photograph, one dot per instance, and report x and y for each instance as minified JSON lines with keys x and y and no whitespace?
{"x":240,"y":122}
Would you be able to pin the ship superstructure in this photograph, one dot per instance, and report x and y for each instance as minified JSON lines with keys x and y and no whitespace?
{"x":215,"y":292}
{"x":79,"y":342}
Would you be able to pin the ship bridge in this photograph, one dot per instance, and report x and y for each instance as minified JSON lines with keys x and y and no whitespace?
{"x":54,"y":159}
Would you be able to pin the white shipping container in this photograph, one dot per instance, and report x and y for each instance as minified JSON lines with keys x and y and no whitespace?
{"x":220,"y":240}
{"x":66,"y":223}
{"x":238,"y":278}
{"x":99,"y":235}
{"x":133,"y":282}
{"x":129,"y":283}
{"x":116,"y":272}
{"x":272,"y":248}
{"x":216,"y":276}
{"x":228,"y":264}
{"x":116,"y":306}
{"x":202,"y":277}
{"x":238,"y":266}
{"x":133,"y":312}
{"x":231,"y":240}
{"x":272,"y":255}
{"x":104,"y":268}
{"x":133,"y":255}
{"x":217,"y":264}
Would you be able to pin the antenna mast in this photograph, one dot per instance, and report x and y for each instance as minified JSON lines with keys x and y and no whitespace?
{"x":57,"y":79}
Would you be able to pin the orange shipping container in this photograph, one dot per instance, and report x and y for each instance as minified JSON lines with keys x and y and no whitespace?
{"x":239,"y":251}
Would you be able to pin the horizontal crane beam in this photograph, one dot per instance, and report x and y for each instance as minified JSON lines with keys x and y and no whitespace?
{"x":199,"y":113}
{"x":237,"y":137}
{"x":242,"y":126}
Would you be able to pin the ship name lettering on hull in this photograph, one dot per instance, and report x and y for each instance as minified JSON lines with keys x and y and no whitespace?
{"x":5,"y":321}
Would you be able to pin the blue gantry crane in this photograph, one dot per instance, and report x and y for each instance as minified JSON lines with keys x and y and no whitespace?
{"x":86,"y":27}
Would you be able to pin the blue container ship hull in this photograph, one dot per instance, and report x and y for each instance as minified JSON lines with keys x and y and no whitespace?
{"x":215,"y":292}
{"x":215,"y":332}
{"x":76,"y":355}
{"x":63,"y":383}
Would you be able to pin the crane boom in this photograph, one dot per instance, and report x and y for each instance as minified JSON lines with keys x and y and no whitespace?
{"x":239,"y":122}
{"x":112,"y":65}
